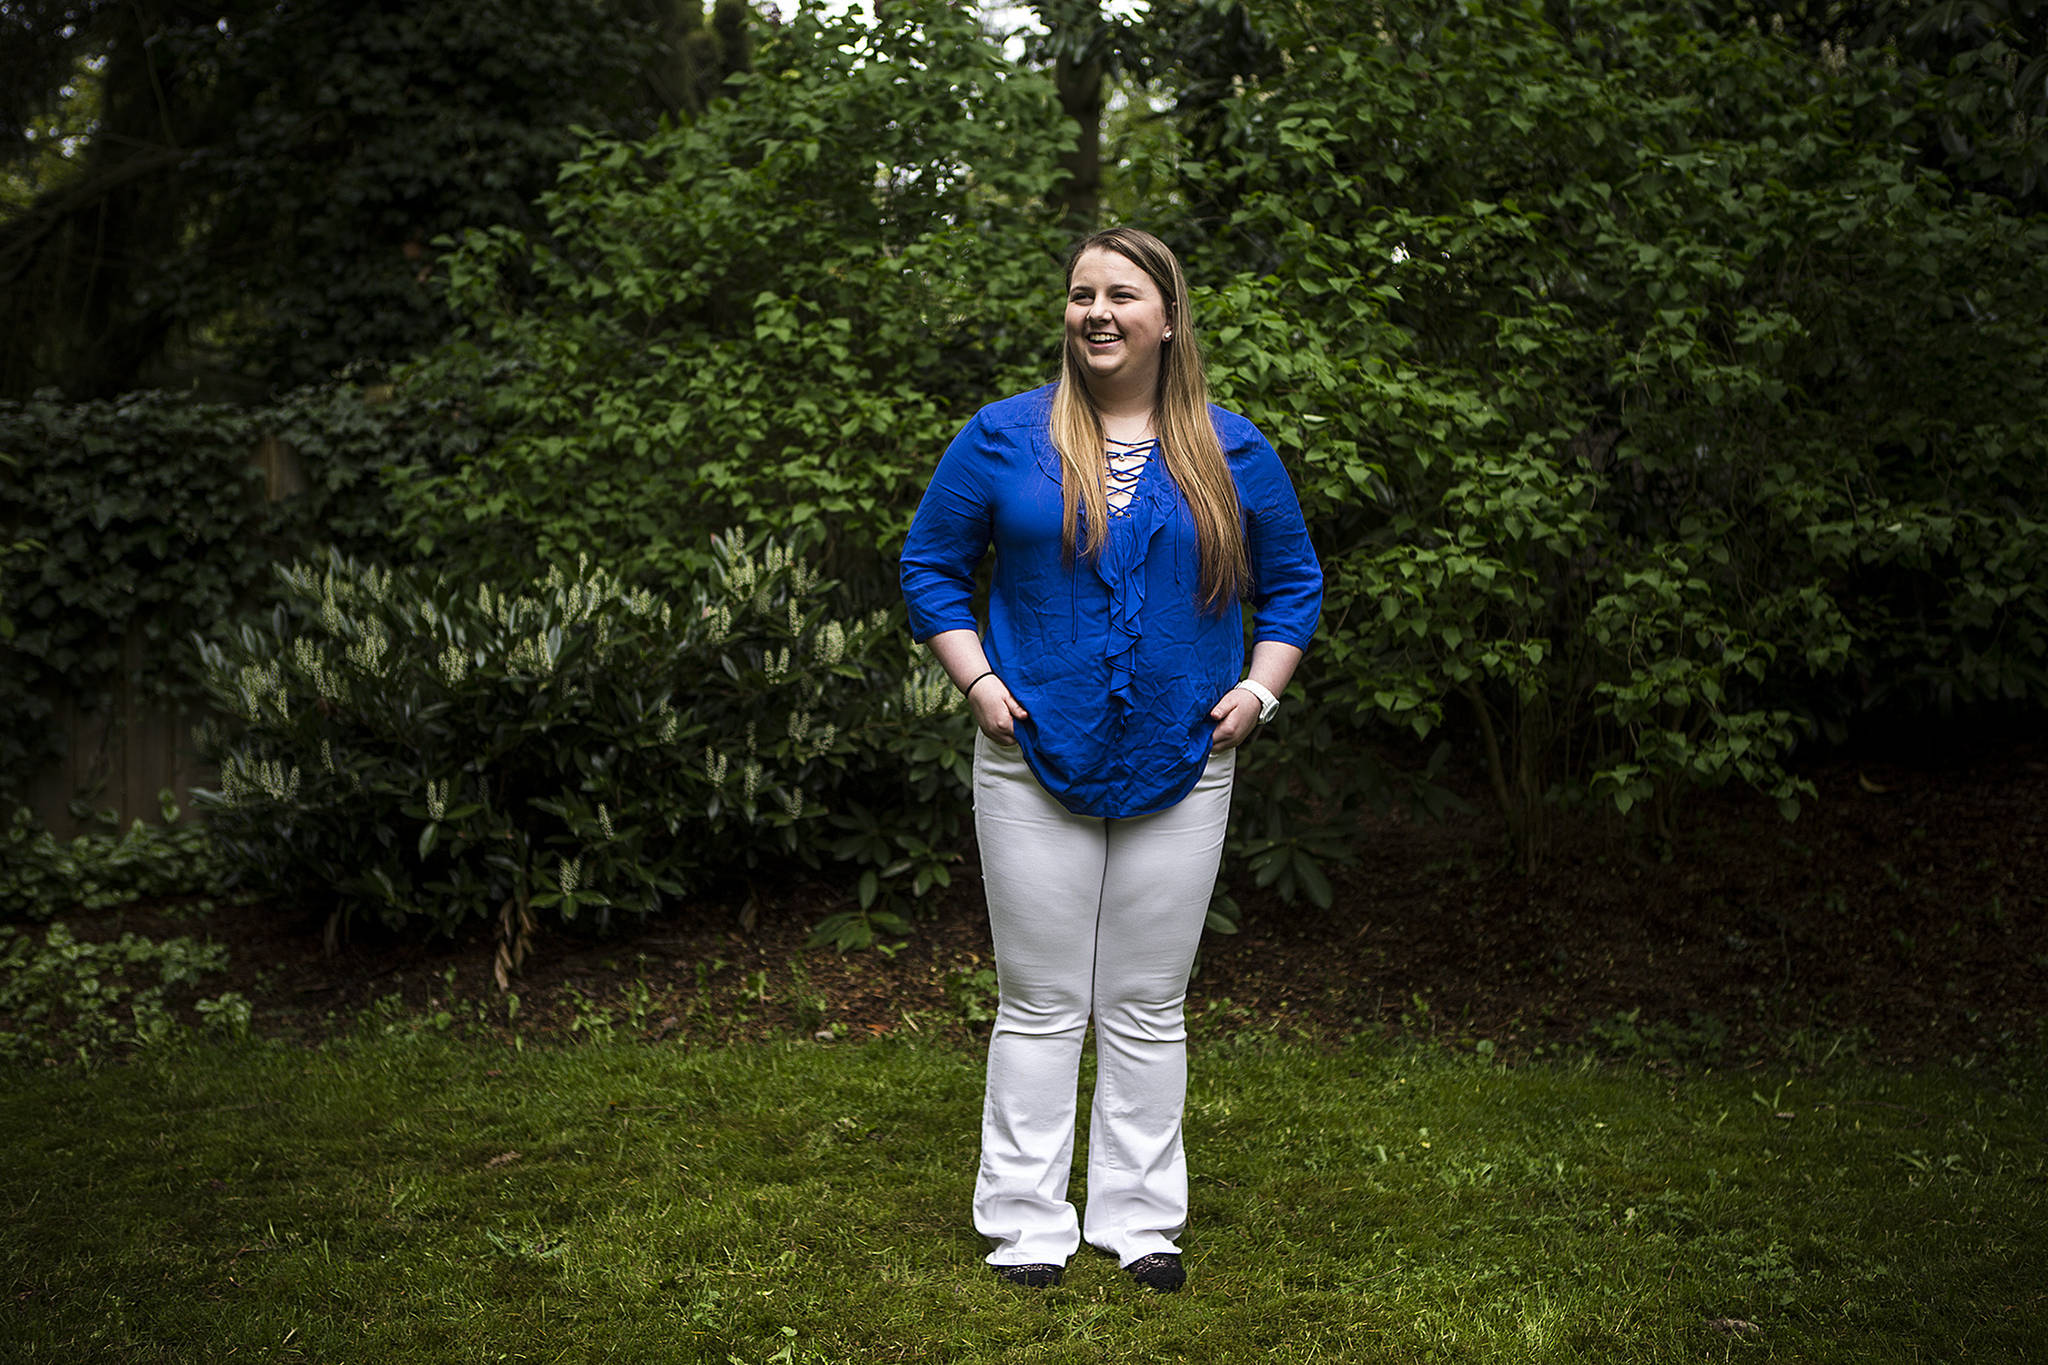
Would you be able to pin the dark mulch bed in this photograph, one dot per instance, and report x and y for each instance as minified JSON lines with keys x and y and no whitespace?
{"x":1901,"y":915}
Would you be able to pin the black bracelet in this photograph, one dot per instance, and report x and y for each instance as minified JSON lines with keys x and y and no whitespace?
{"x":968,"y":690}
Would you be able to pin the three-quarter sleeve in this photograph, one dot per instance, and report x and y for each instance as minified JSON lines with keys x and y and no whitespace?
{"x":947,"y":539}
{"x":1287,"y":579}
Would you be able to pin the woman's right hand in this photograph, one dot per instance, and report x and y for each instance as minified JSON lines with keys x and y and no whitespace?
{"x":995,"y":710}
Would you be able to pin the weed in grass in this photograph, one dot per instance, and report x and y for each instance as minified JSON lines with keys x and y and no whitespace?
{"x":531,"y":1244}
{"x":636,"y":998}
{"x":1812,"y":1047}
{"x":1415,"y":1019}
{"x":973,"y":994}
{"x":229,"y":1013}
{"x":589,"y":1018}
{"x":388,"y":1016}
{"x":806,"y":1003}
{"x":1627,"y":1035}
{"x":1775,"y":1105}
{"x":704,"y":1010}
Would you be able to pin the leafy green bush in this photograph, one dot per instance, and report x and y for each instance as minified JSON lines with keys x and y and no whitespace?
{"x":1650,"y":407}
{"x":441,"y":753}
{"x":42,"y":876}
{"x":777,"y":314}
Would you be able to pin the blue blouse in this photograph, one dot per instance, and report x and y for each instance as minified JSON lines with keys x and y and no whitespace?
{"x":1115,"y":659}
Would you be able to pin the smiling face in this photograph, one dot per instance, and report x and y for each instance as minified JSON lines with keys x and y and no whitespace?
{"x":1116,"y":322}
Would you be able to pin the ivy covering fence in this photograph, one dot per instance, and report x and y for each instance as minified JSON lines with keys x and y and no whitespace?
{"x":147,"y":517}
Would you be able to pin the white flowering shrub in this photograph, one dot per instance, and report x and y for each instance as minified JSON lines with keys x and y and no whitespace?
{"x":427,"y":750}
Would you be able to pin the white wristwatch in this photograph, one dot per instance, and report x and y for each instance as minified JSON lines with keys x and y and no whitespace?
{"x":1268,"y":703}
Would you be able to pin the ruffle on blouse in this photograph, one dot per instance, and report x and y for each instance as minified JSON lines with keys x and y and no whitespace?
{"x":1120,"y":566}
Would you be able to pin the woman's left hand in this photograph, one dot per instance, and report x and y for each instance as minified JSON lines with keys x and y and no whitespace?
{"x":1236,"y":716}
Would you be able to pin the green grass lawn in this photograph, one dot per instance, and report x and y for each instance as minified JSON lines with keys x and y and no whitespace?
{"x":408,"y":1195}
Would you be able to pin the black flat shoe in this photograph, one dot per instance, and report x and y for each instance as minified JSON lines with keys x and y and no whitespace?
{"x":1160,"y":1272}
{"x":1038,"y":1276}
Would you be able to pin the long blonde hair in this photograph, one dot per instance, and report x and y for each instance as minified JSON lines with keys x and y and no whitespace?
{"x":1180,"y":413}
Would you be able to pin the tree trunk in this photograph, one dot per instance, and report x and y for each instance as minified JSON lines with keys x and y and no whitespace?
{"x":1079,"y":196}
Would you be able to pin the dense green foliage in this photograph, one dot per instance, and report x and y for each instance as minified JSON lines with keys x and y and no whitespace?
{"x":777,"y":314}
{"x":149,"y":521}
{"x":448,"y":751}
{"x":1973,"y":77}
{"x":68,"y":998}
{"x":1649,"y":408}
{"x":1659,"y":394}
{"x":253,"y":206}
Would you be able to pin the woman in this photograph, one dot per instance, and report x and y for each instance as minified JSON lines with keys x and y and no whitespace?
{"x":1129,"y":519}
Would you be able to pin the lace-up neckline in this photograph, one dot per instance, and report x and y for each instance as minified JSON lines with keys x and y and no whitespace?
{"x":1123,"y":463}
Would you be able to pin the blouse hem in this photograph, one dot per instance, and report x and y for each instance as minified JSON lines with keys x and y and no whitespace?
{"x":1168,"y":803}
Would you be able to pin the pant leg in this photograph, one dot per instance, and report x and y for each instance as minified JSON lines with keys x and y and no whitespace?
{"x":1159,"y":875}
{"x":1042,"y":872}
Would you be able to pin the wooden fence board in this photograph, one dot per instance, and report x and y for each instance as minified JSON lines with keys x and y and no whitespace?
{"x":123,"y":751}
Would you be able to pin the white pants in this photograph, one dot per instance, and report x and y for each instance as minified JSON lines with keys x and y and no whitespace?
{"x":1096,"y":918}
